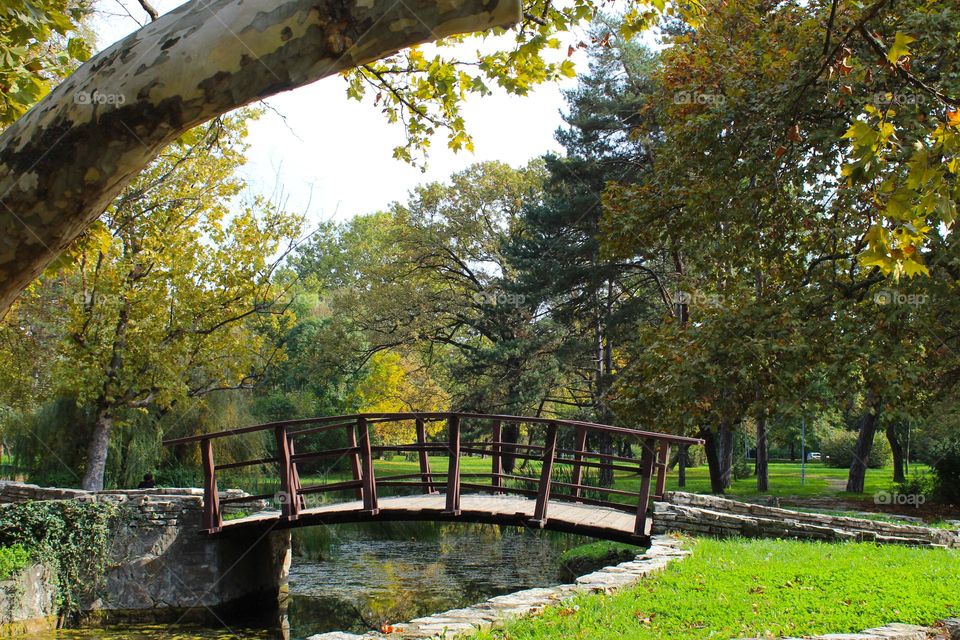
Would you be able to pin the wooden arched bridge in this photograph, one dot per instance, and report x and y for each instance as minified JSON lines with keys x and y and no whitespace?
{"x":553,"y":481}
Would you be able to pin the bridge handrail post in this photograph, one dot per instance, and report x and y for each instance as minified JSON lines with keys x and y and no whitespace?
{"x":663,"y":459}
{"x":425,"y":476}
{"x":453,"y":468}
{"x":369,"y":482}
{"x":295,"y":476}
{"x":497,"y":460}
{"x":289,"y":499}
{"x":354,"y":458}
{"x":546,"y":476}
{"x":643,"y":499}
{"x":212,"y":519}
{"x":580,"y":449}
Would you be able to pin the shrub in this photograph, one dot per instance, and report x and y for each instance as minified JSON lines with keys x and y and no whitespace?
{"x":12,"y":560}
{"x":946,"y":466}
{"x":837,"y":449}
{"x":917,"y":484}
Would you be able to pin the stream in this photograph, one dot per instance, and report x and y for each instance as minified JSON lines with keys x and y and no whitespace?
{"x":359,"y":577}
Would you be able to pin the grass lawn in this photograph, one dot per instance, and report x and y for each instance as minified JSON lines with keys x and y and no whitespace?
{"x":763,"y":588}
{"x":820,"y":481}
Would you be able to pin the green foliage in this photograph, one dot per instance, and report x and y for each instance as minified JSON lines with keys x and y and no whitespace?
{"x":424,"y":89}
{"x":40,"y":42}
{"x":919,"y":484}
{"x":171,"y":296}
{"x":416,"y":308}
{"x":837,"y":449}
{"x":766,"y":588}
{"x":946,"y":465}
{"x":594,"y":551}
{"x":43,"y":448}
{"x":13,"y":559}
{"x":71,"y":536}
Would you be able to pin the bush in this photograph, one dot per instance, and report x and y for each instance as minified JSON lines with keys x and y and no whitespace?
{"x":946,"y":466}
{"x":837,"y":449}
{"x":917,"y":484}
{"x":13,"y":559}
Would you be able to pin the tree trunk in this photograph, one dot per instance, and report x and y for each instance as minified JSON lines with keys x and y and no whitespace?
{"x":714,"y":456}
{"x":793,"y":451}
{"x":762,"y":453}
{"x":93,"y":475}
{"x":899,"y":470}
{"x":861,"y":451}
{"x":726,"y":459}
{"x":64,"y":161}
{"x":682,"y":472}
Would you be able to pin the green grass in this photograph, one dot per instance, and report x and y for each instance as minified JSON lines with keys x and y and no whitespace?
{"x":763,"y":588}
{"x":820,"y":481}
{"x":593,"y":551}
{"x":400,"y":466}
{"x":13,"y":559}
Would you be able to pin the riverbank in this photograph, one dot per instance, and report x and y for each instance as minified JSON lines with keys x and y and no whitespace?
{"x":762,"y":588}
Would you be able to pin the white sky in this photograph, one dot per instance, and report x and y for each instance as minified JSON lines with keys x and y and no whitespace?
{"x":332,"y":158}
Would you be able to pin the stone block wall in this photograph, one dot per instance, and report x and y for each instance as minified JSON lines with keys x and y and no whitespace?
{"x":28,"y":602}
{"x":710,"y":515}
{"x":160,"y":565}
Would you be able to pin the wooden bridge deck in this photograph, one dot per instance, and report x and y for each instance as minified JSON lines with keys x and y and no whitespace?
{"x":597,"y":522}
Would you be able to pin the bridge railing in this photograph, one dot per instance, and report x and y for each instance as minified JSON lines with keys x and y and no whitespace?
{"x":536,"y":465}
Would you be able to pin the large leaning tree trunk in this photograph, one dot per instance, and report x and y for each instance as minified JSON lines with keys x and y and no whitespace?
{"x":64,"y":161}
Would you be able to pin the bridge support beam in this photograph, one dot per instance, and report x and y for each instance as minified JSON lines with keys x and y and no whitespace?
{"x":369,"y":485}
{"x":496,"y":478}
{"x":580,"y":448}
{"x":288,"y":496}
{"x":355,"y":458}
{"x":212,"y":520}
{"x":643,"y":500}
{"x":453,"y":471}
{"x":663,"y":459}
{"x":425,"y":475}
{"x":546,"y":476}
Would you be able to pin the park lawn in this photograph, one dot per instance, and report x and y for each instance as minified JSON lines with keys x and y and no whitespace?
{"x":821,"y":481}
{"x":763,"y":588}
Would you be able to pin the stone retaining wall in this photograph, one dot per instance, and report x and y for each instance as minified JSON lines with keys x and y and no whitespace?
{"x":159,"y":564}
{"x":710,"y":515}
{"x":28,"y":602}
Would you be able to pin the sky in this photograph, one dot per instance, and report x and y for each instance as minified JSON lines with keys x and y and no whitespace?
{"x":331,"y":158}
